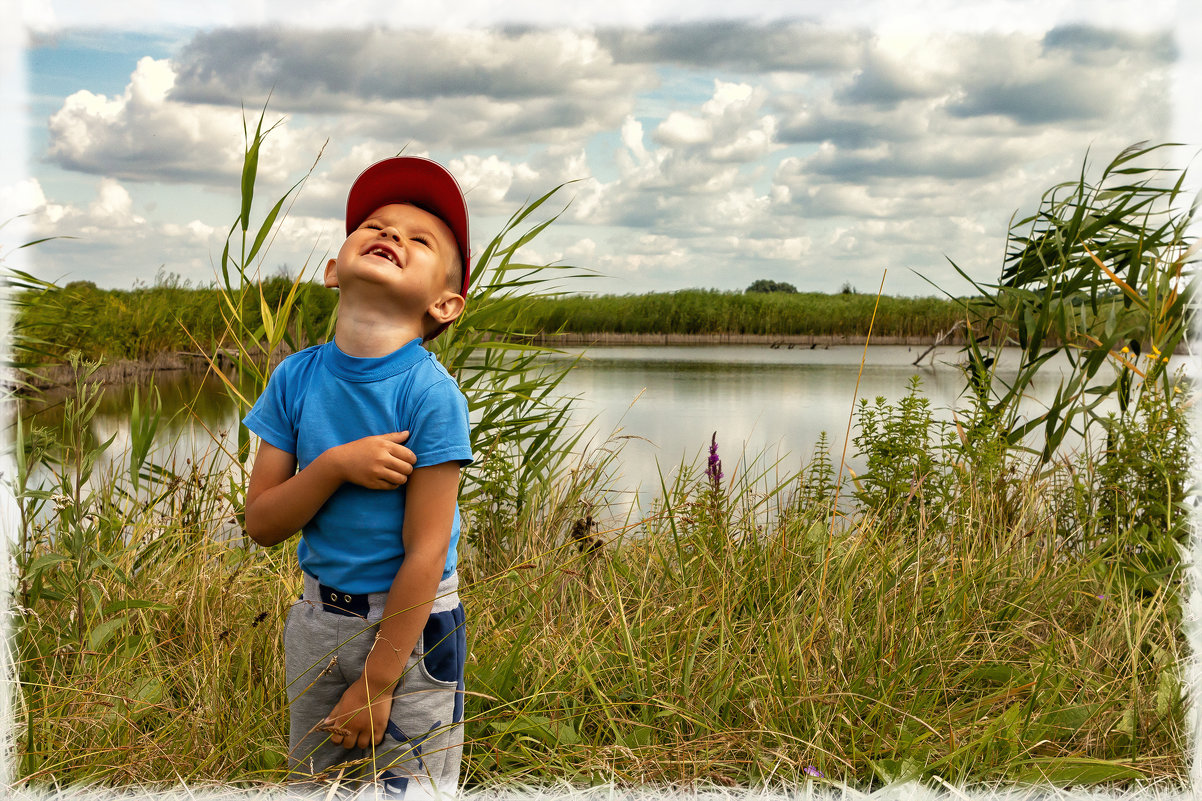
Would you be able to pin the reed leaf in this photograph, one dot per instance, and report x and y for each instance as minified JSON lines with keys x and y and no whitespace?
{"x":1105,"y":249}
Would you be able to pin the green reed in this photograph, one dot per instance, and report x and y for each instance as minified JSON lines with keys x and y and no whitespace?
{"x":1103,"y":274}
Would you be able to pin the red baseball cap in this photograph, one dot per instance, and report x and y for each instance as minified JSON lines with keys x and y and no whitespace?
{"x":420,"y":181}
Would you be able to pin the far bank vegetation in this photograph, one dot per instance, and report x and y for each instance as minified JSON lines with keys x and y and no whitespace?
{"x":170,"y":316}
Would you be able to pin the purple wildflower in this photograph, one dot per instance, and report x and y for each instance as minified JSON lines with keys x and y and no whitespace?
{"x":713,"y":469}
{"x":810,"y":770}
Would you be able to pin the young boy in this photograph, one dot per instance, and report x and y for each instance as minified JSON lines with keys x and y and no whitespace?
{"x":374,"y":650}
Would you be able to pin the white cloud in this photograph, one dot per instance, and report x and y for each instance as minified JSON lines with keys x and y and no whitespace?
{"x":25,"y":199}
{"x":788,"y":43}
{"x":109,"y":217}
{"x":144,"y":135}
{"x":683,"y":129}
{"x":344,"y":69}
{"x":632,"y":138}
{"x":486,"y":181}
{"x":195,"y":231}
{"x":306,"y":243}
{"x":729,"y":127}
{"x":113,"y":207}
{"x":584,"y":249}
{"x":791,"y":248}
{"x":625,"y":265}
{"x":784,"y":44}
{"x":110,"y":240}
{"x":691,"y":180}
{"x":1039,"y":82}
{"x":740,"y":207}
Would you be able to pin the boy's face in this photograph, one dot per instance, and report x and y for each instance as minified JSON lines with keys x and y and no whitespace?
{"x":401,"y":254}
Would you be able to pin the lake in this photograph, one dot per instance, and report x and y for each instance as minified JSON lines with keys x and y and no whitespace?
{"x":666,"y":401}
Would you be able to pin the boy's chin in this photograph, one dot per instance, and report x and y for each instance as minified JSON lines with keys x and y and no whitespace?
{"x":375,"y":274}
{"x":376,"y":285}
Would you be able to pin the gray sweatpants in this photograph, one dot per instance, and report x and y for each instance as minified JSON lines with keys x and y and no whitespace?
{"x":325,"y":652}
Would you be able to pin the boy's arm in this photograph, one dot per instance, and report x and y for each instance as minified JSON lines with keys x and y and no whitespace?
{"x":280,"y":501}
{"x":360,"y":716}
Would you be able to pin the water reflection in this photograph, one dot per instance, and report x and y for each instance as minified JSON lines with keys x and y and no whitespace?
{"x":763,"y":402}
{"x":187,"y":398}
{"x":197,"y":423}
{"x":768,"y":406}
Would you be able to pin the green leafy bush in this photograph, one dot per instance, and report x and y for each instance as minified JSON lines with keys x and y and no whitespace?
{"x":899,"y":442}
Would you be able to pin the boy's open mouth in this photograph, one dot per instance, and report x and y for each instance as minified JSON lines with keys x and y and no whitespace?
{"x":384,"y":253}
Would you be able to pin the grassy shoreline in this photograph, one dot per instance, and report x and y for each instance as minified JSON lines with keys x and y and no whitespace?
{"x":167,"y":320}
{"x":996,"y":623}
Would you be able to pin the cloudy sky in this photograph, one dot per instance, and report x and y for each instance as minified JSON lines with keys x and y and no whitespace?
{"x":706,"y":148}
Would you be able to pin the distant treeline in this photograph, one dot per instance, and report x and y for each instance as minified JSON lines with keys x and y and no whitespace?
{"x":141,"y":323}
{"x":699,"y":311}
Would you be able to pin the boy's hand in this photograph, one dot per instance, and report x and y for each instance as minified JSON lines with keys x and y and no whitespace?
{"x":376,"y":462}
{"x":353,"y":722}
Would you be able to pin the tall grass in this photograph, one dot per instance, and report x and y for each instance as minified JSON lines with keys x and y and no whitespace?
{"x":979,"y":626}
{"x":703,"y":648}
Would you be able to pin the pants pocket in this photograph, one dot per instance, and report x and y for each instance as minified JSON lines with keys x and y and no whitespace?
{"x":444,"y":644}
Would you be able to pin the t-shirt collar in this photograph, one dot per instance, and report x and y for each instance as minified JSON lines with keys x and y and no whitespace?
{"x":359,"y":368}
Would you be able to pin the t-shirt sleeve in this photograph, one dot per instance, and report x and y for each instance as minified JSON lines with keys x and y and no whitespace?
{"x":439,"y":430}
{"x":269,"y":418}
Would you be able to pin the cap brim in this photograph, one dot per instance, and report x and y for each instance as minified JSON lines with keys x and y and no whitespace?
{"x":420,"y":181}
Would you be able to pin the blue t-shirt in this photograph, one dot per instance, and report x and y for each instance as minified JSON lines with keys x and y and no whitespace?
{"x":321,"y":397}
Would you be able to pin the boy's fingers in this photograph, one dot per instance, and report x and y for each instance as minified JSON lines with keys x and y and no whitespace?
{"x":398,"y":437}
{"x":393,"y":475}
{"x":402,"y":453}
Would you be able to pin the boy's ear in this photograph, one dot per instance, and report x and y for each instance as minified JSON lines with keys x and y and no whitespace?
{"x":331,"y":276}
{"x":447,"y":308}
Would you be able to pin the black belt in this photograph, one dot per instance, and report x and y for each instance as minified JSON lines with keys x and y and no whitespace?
{"x":348,"y":604}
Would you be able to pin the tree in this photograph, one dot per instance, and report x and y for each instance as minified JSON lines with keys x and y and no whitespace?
{"x":766,"y":285}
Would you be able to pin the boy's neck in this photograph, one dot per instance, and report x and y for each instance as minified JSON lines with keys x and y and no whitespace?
{"x":367,"y":335}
